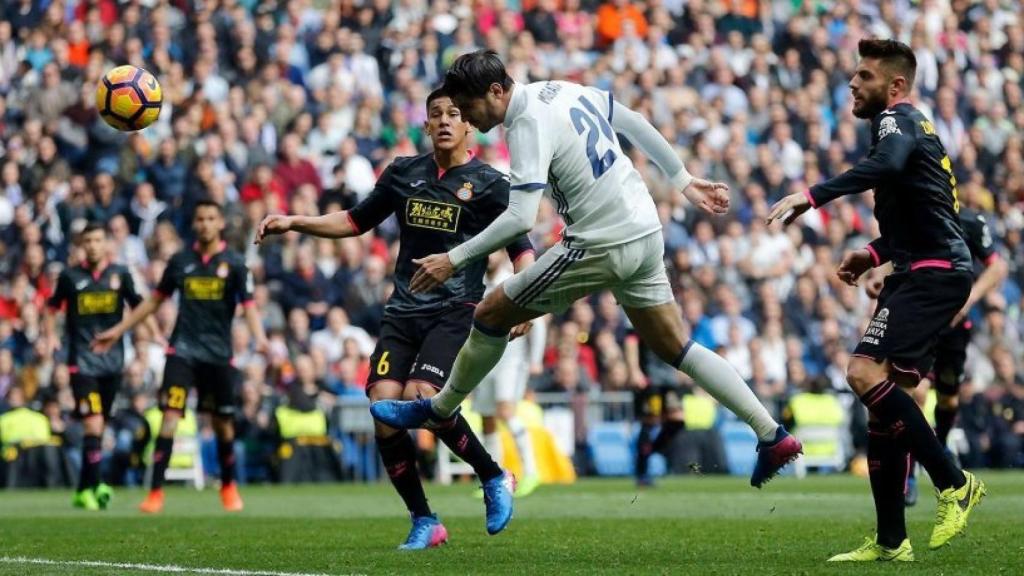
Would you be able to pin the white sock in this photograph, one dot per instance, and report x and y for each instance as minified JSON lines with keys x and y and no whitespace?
{"x":524,"y":446}
{"x":715,"y":375}
{"x":492,"y":443}
{"x":479,"y":354}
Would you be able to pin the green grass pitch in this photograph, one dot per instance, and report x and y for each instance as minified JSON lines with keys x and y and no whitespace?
{"x":693,"y":525}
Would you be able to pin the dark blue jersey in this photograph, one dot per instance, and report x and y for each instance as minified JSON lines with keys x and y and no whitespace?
{"x":436,"y":212}
{"x":93,"y":301}
{"x":915,"y":193}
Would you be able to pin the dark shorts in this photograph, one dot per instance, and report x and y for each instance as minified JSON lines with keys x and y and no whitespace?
{"x":216,"y":385}
{"x":950,"y":358}
{"x":94,"y":395}
{"x":420,"y":347}
{"x":914,"y":309}
{"x":656,"y":402}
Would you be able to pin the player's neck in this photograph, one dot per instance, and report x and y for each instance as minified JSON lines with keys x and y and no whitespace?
{"x":209,"y":248}
{"x":898,"y":99}
{"x":448,"y":159}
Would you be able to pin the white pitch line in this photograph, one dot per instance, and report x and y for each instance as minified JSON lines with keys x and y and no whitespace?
{"x":168,"y":568}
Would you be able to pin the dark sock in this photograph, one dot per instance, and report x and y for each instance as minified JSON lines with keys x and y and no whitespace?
{"x":891,"y":406}
{"x":226,"y":458}
{"x":92,"y":456}
{"x":888,"y":460}
{"x":161,"y":458}
{"x":399,"y":456}
{"x":944,"y":420}
{"x":668,"y":433}
{"x":644,"y":449}
{"x":460,"y":439}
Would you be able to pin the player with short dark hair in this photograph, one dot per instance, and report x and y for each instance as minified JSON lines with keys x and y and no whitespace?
{"x":92,"y":296}
{"x":440,"y":199}
{"x":212,"y":280}
{"x":916,"y":207}
{"x":562,"y":137}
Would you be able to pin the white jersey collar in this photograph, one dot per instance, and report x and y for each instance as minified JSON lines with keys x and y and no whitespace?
{"x":516,"y":105}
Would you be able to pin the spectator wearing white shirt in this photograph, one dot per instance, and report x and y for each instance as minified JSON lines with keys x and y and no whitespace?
{"x":331,"y":340}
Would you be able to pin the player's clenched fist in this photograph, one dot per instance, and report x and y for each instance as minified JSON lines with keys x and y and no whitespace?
{"x":854,"y":265}
{"x":273,"y":224}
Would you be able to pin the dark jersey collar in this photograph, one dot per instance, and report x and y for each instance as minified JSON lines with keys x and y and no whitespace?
{"x":221,"y":246}
{"x":441,"y":171}
{"x":98,"y":271}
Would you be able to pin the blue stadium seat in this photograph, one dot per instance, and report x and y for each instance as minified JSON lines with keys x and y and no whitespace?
{"x":610,"y":444}
{"x":740,"y":443}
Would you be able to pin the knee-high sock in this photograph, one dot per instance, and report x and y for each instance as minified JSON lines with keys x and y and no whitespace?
{"x":460,"y":439}
{"x":715,"y":375}
{"x":480,"y":353}
{"x":892,"y":406}
{"x":399,"y":456}
{"x":226,"y":459}
{"x":492,"y":443}
{"x":524,"y":445}
{"x":888,"y":465}
{"x":644,"y":449}
{"x":161,"y":458}
{"x":92,"y":456}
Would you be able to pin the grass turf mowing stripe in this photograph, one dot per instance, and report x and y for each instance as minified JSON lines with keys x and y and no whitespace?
{"x":167,"y":568}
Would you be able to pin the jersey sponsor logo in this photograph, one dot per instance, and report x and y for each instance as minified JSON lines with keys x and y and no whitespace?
{"x":877,"y":327}
{"x":417,"y":183}
{"x":82,"y":284}
{"x":432,"y":215}
{"x":888,"y":126}
{"x":465,"y":193}
{"x":204,"y":288}
{"x":115,"y":282}
{"x":223,"y":269}
{"x":190,"y":268}
{"x":97,"y":303}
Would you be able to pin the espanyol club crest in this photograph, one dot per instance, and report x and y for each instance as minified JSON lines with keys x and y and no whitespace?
{"x":222,"y":270}
{"x":115,"y":282}
{"x":465,"y":193}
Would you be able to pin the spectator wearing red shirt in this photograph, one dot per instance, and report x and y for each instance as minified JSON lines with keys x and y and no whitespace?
{"x":292,"y":170}
{"x":107,"y":8}
{"x":263,"y":184}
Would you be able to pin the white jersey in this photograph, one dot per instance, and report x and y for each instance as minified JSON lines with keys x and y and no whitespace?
{"x":560,"y":138}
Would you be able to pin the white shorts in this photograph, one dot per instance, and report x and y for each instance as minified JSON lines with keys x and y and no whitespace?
{"x":634,"y":272}
{"x":506,"y":382}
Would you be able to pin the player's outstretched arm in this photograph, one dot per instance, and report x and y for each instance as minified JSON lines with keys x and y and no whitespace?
{"x":516,"y":220}
{"x":712,"y":197}
{"x":104,"y":340}
{"x":334,"y":225}
{"x":896,"y":142}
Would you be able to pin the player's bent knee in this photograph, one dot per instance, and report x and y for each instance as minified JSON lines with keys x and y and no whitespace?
{"x":497,"y":314}
{"x":385,"y":390}
{"x":93,"y":424}
{"x":863,"y":374}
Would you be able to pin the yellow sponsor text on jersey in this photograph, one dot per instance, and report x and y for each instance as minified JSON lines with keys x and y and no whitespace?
{"x":432,"y":215}
{"x":204,"y":288}
{"x":928,"y":127}
{"x":97,"y":302}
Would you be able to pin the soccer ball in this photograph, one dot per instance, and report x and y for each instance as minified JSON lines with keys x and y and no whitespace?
{"x":129,"y":98}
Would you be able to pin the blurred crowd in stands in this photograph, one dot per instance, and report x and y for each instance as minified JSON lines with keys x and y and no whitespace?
{"x":297,"y":105}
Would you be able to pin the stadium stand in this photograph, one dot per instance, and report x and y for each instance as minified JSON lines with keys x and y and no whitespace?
{"x":297,"y":105}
